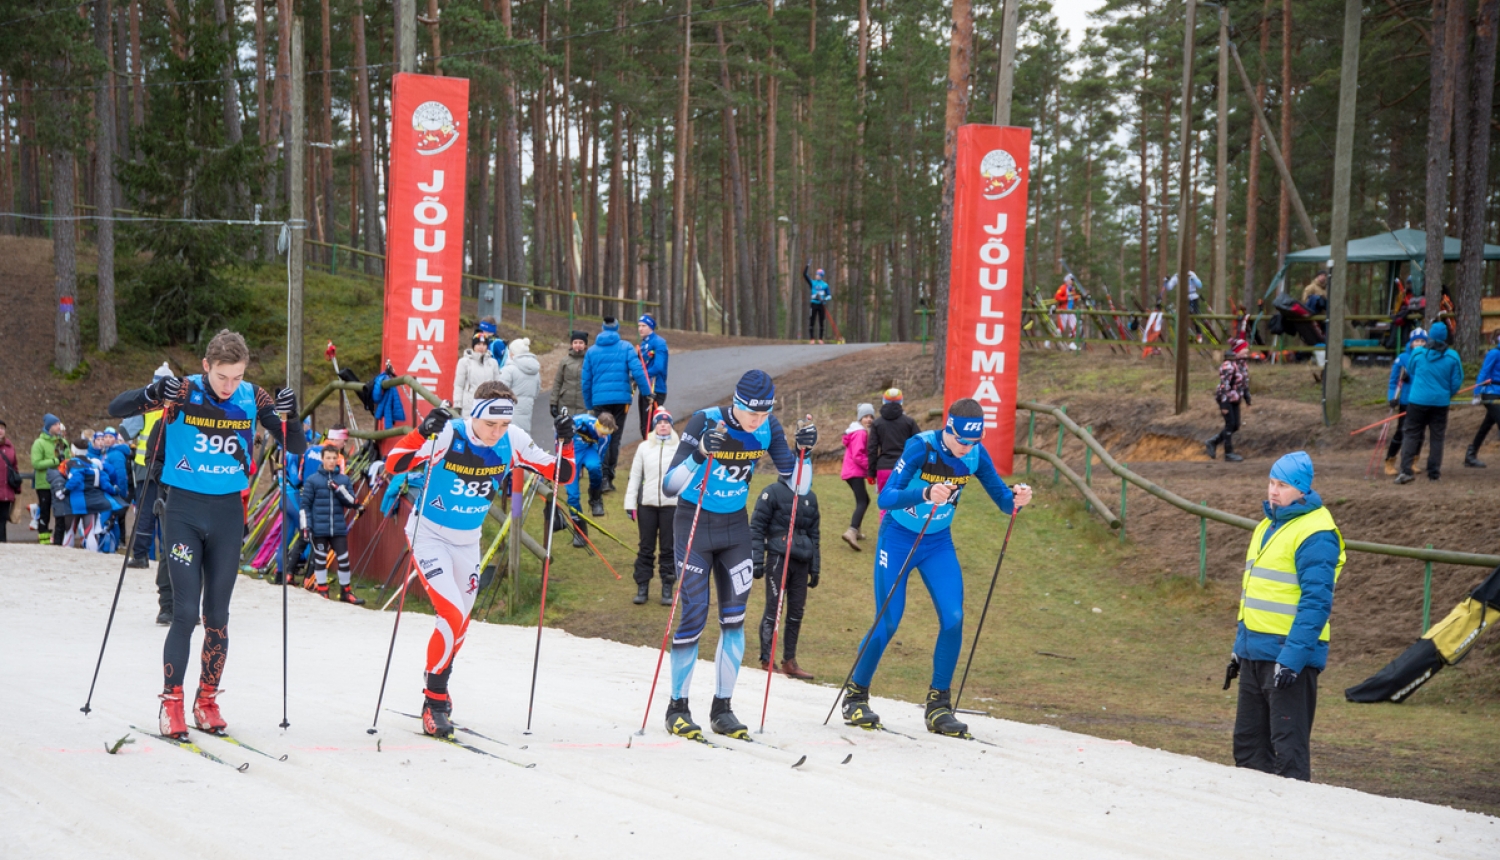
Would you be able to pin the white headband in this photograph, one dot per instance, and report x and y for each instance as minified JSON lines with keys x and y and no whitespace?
{"x":495,"y":407}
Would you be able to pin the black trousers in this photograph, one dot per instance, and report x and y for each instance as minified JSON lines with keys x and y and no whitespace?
{"x":861,"y":501}
{"x":5,"y":518}
{"x":647,"y":409}
{"x":610,"y":456}
{"x":1272,"y":727}
{"x":796,"y":602}
{"x":44,"y":511}
{"x":1398,"y":438}
{"x":202,"y":534}
{"x":656,"y":543}
{"x":1231,"y":414}
{"x":1434,"y":420}
{"x":816,"y":314}
{"x":1491,"y":419}
{"x":145,"y":513}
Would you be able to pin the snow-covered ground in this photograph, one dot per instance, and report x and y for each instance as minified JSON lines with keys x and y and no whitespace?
{"x":341,"y":792}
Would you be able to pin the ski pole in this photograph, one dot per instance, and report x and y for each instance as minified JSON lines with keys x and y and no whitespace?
{"x":593,"y":548}
{"x":687,"y":553}
{"x":786,"y":566}
{"x":979,"y":628}
{"x":417,"y":524}
{"x":541,"y":612}
{"x":134,"y":528}
{"x":286,"y":574}
{"x":879,"y":613}
{"x":1385,"y":429}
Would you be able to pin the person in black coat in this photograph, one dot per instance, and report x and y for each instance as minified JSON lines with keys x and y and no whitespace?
{"x":768,"y":552}
{"x":325,"y":495}
{"x":887,"y":437}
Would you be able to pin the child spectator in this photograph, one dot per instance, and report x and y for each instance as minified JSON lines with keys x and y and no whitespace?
{"x":888,"y":437}
{"x":856,"y":471}
{"x":652,"y":509}
{"x":325,"y":495}
{"x":1486,"y":391}
{"x":475,"y":367}
{"x":1397,"y":393}
{"x":590,"y":436}
{"x":87,"y":489}
{"x":768,"y":553}
{"x":492,"y":337}
{"x":48,"y":452}
{"x":1233,"y":390}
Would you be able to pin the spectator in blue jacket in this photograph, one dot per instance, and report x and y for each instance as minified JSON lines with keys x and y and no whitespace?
{"x":1436,"y":374}
{"x":1397,"y":393}
{"x":653,"y":353}
{"x":609,"y":367}
{"x":818,"y":296}
{"x":1486,"y":391}
{"x":114,"y":457}
{"x":89,"y":489}
{"x":1281,"y":644}
{"x":325,"y":495}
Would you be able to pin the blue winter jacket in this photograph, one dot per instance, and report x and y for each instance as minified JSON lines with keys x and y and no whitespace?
{"x":116,"y":463}
{"x":325,"y":504}
{"x":1317,"y":558}
{"x":1490,"y":370}
{"x":89,"y":487}
{"x":1395,"y":385}
{"x":653,"y":351}
{"x":406,"y":483}
{"x":608,"y":369}
{"x":1435,"y":376}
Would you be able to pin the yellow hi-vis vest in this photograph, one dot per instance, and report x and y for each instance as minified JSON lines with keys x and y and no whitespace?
{"x":140,"y":448}
{"x":1269,"y":593}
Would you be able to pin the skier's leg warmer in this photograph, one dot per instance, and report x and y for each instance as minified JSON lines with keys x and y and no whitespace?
{"x":450,"y":576}
{"x":727,"y":660}
{"x":938,"y":564}
{"x":895,"y":542}
{"x":203,"y":539}
{"x":320,"y":549}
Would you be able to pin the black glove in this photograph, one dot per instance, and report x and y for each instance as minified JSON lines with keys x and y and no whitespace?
{"x":307,"y":537}
{"x":166,"y":388}
{"x":286,"y":402}
{"x":562,"y":424}
{"x":807,"y":436}
{"x":435,"y":421}
{"x":1284,"y":677}
{"x":812,"y":580}
{"x":1392,"y":404}
{"x":760,"y":570}
{"x":713,"y":440}
{"x":1231,"y":671}
{"x":553,"y":409}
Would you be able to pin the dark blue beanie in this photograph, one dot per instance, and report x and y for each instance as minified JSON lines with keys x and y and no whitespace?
{"x":756,"y":392}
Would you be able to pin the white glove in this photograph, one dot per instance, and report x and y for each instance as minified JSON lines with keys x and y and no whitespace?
{"x":302,"y":521}
{"x":345,"y":495}
{"x":376,"y":468}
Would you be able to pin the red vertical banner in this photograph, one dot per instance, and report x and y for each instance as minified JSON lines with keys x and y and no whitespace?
{"x":985,"y":279}
{"x":425,"y":228}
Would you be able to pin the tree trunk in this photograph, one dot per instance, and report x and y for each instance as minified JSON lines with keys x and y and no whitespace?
{"x":854,"y":290}
{"x":325,"y":155}
{"x":515,"y":236}
{"x":138,"y":67}
{"x":960,"y":57}
{"x":1472,"y":192}
{"x":744,"y":280}
{"x":1284,"y":200}
{"x":1252,"y":191}
{"x":1146,"y":291}
{"x":66,"y":354}
{"x":373,"y":238}
{"x":104,"y":178}
{"x":1439,"y":145}
{"x":122,"y":89}
{"x":680,"y":277}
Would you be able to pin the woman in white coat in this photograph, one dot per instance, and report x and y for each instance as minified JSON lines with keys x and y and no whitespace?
{"x":475,"y":367}
{"x":652,"y":509}
{"x":522,"y":374}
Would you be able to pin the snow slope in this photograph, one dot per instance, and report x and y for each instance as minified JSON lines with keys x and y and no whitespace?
{"x":343,"y":793}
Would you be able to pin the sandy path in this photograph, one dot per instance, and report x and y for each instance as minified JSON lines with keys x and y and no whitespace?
{"x":1040,"y":793}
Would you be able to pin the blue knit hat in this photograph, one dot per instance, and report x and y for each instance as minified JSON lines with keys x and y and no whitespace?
{"x":1416,"y":335}
{"x":48,"y":420}
{"x":1295,"y":469}
{"x":1438,"y":333}
{"x":755,"y":392}
{"x":647,"y":320}
{"x":611,"y":324}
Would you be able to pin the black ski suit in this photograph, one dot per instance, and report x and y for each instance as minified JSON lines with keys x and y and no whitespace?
{"x":768,"y":534}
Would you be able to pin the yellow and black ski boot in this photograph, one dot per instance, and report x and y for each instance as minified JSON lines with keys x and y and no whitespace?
{"x":940,"y":719}
{"x":680,"y":720}
{"x":724,"y":722}
{"x":857,"y":707}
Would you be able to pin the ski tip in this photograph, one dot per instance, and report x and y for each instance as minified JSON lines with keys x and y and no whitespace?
{"x":799,"y":762}
{"x":530,"y":766}
{"x":283,"y":757}
{"x":370,"y":731}
{"x":847,"y":758}
{"x":242,"y":768}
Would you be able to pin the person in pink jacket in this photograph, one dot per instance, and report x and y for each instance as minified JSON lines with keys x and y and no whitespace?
{"x":856,"y":471}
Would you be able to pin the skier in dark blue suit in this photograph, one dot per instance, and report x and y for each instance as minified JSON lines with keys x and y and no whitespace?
{"x":923,"y":492}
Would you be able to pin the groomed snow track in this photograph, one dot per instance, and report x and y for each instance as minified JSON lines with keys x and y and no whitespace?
{"x":1040,"y":792}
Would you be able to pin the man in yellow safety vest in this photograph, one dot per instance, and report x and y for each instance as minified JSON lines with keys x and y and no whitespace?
{"x":1294,"y":560}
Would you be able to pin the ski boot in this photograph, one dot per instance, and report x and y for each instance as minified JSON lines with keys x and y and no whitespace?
{"x":206,"y":714}
{"x":171,"y":720}
{"x":138,"y":563}
{"x":724,"y":722}
{"x":596,"y":508}
{"x":642,"y":591}
{"x":436,"y":708}
{"x":680,"y":720}
{"x":940,"y":719}
{"x":347,"y":595}
{"x":580,"y":529}
{"x":315,"y":588}
{"x":857,"y":707}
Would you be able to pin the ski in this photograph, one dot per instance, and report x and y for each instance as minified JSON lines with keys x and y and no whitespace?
{"x":228,"y":738}
{"x":192,"y":747}
{"x":464,"y":729}
{"x":801,"y":758}
{"x":455,"y":742}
